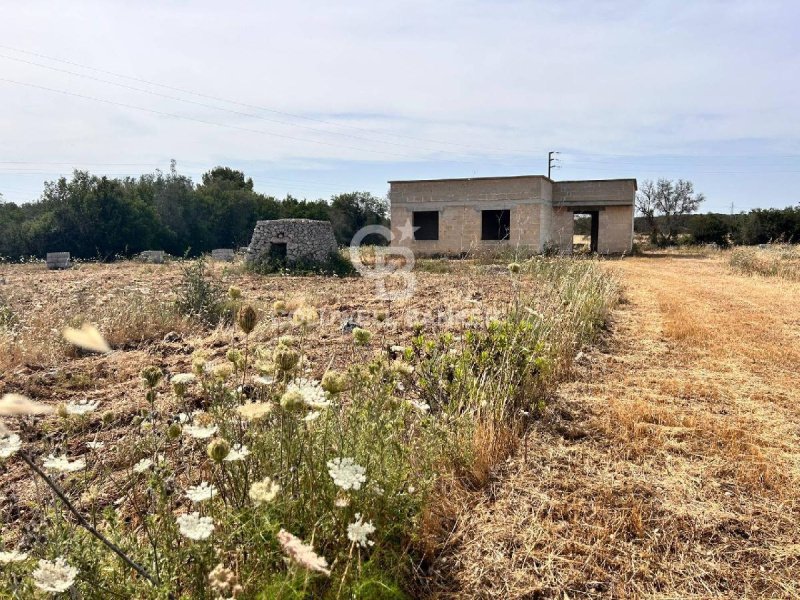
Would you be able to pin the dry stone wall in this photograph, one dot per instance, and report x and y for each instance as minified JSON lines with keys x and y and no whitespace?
{"x":292,"y":240}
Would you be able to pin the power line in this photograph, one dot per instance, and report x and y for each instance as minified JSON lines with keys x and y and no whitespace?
{"x":196,"y":120}
{"x":244,"y":104}
{"x":220,"y":108}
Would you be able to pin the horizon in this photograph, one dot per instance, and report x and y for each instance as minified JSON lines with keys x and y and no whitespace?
{"x":338,"y":99}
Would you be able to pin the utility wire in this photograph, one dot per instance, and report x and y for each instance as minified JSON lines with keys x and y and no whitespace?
{"x":196,"y":120}
{"x":221,"y":108}
{"x":253,"y":106}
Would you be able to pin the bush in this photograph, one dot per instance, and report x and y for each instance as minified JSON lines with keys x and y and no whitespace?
{"x":202,"y":298}
{"x":337,"y":265}
{"x":710,"y":229}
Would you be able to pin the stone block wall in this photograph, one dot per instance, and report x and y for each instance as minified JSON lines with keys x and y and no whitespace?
{"x":459,"y":203}
{"x":57,"y":260}
{"x":541,"y":212}
{"x":305,"y":239}
{"x":616,"y":230}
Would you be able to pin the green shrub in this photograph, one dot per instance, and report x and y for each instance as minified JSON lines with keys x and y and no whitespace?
{"x":337,"y":264}
{"x":201,"y":297}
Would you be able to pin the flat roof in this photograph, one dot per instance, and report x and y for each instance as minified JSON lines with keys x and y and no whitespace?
{"x":469,"y":178}
{"x":633,"y":179}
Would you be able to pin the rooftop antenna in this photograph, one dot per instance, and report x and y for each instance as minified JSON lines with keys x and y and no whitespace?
{"x":551,"y":162}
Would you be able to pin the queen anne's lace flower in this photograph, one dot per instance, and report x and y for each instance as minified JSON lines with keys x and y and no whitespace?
{"x":302,"y":554}
{"x":311,"y":391}
{"x":183,"y":378}
{"x":83,"y":407}
{"x":200,"y":493}
{"x":199,"y":432}
{"x":312,"y":416}
{"x":224,"y":583}
{"x":422,"y":407}
{"x":195,"y":527}
{"x":54,"y":576}
{"x":237,"y":452}
{"x":9,"y":444}
{"x":252,"y":411}
{"x":63,"y":464}
{"x":12,"y":556}
{"x":346,"y":473}
{"x":264,"y":491}
{"x":357,"y":532}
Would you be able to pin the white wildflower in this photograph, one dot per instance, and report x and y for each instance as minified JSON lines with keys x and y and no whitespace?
{"x":312,"y":416}
{"x":9,"y":444}
{"x":95,"y":445}
{"x":54,"y":576}
{"x":422,"y":407}
{"x":200,"y":493}
{"x":84,"y":407}
{"x":195,"y":527}
{"x":142,"y":465}
{"x":311,"y":391}
{"x":12,"y":556}
{"x":346,"y":473}
{"x":237,"y":452}
{"x":199,"y":432}
{"x":183,"y":378}
{"x":261,"y":380}
{"x":63,"y":464}
{"x":302,"y":554}
{"x":357,"y":532}
{"x":264,"y":491}
{"x":253,"y":411}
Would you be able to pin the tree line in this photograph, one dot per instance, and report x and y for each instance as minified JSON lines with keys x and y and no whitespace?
{"x":665,"y":208}
{"x":104,"y":218}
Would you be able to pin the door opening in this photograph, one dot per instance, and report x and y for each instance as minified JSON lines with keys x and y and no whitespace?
{"x":585,"y":233}
{"x":277,"y":252}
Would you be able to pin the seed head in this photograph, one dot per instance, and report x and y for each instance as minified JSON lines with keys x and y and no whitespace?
{"x":234,"y":293}
{"x":285,"y":358}
{"x":218,"y":449}
{"x":152,"y":376}
{"x":292,"y":400}
{"x":334,"y":382}
{"x":248,"y":318}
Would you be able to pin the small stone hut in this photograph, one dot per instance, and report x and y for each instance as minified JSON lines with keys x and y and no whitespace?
{"x":290,"y":240}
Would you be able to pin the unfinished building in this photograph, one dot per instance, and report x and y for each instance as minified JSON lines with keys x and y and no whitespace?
{"x":532,"y":212}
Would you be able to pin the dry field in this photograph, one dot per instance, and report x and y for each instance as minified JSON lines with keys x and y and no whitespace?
{"x":340,"y":436}
{"x":669,"y":467}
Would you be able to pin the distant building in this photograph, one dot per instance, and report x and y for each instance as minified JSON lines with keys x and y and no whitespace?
{"x":451,"y":216}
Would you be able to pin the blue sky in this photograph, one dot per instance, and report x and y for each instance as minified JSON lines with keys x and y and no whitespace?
{"x":315,"y":98}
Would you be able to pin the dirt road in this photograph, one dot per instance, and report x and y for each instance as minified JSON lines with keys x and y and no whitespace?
{"x":669,"y":467}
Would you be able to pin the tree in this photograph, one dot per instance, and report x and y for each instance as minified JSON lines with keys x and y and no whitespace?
{"x":671,"y":201}
{"x":646,"y":205}
{"x":711,"y":229}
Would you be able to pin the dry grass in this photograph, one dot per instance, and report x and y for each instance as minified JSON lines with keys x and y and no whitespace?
{"x":669,"y":468}
{"x":771,"y":260}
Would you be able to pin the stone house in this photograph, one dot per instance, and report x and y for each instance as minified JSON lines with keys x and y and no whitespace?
{"x":453,"y":216}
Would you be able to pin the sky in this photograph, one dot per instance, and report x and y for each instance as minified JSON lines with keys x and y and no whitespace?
{"x":317,"y":98}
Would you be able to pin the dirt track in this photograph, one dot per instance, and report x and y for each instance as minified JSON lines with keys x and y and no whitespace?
{"x":669,"y":467}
